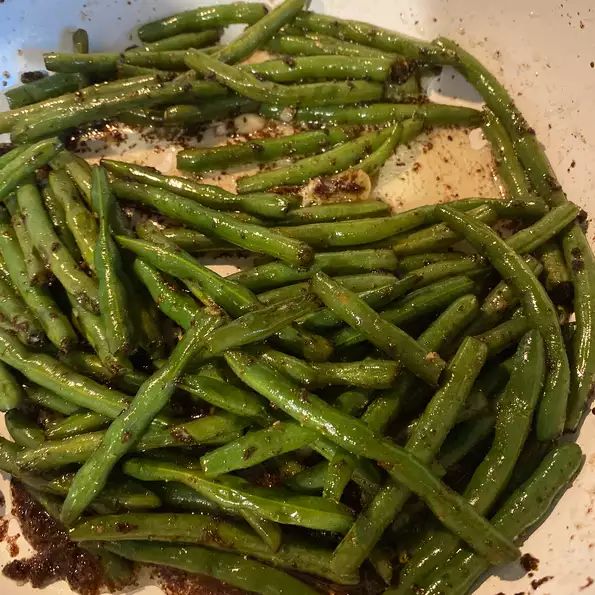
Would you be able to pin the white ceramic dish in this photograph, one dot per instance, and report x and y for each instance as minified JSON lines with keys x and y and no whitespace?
{"x":543,"y":51}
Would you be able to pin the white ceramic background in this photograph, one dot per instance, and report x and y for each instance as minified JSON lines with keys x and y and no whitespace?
{"x":544,"y":52}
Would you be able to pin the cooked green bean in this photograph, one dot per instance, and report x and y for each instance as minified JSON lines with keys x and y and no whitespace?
{"x":113,"y":298}
{"x":184,"y":41}
{"x":79,"y":219}
{"x":48,"y":400}
{"x":309,"y":68}
{"x":340,"y":211}
{"x":233,"y":569}
{"x":357,"y":438}
{"x":432,"y":114}
{"x":202,"y":18}
{"x":233,"y":493}
{"x":426,"y":440}
{"x":412,"y":262}
{"x":386,"y":336}
{"x":16,"y":317}
{"x":57,"y":216}
{"x":400,"y":133}
{"x":77,"y":423}
{"x":514,"y":413}
{"x":267,"y":205}
{"x":45,"y":88}
{"x":247,"y":85}
{"x":213,"y":532}
{"x":332,"y":161}
{"x":509,"y":168}
{"x":53,"y":251}
{"x":539,"y":310}
{"x":213,"y":429}
{"x":11,"y":392}
{"x":188,"y":116}
{"x":376,"y":37}
{"x":260,"y":32}
{"x":55,"y":324}
{"x":556,"y":275}
{"x":217,"y":224}
{"x":275,"y":274}
{"x":23,"y":430}
{"x":368,"y":373}
{"x":80,"y":41}
{"x":515,"y":517}
{"x":259,"y":151}
{"x":26,"y":163}
{"x":131,"y":424}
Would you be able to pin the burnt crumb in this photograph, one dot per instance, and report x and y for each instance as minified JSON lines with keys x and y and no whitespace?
{"x":540,"y":581}
{"x":3,"y":529}
{"x":126,"y":436}
{"x":5,"y":147}
{"x":56,"y":557}
{"x":326,"y":187}
{"x":587,"y":584}
{"x":125,"y":527}
{"x":32,"y":75}
{"x":2,"y":500}
{"x":13,"y":547}
{"x":248,"y":452}
{"x":529,"y":562}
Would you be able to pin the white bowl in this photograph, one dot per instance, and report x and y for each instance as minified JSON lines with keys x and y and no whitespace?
{"x":544,"y":52}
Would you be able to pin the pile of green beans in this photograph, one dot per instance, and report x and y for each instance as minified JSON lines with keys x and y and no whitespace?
{"x":367,"y":378}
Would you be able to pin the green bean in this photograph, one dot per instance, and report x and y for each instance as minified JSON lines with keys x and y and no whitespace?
{"x":11,"y":392}
{"x":184,"y":41}
{"x":79,"y":219}
{"x":389,"y":338}
{"x":539,"y":310}
{"x":498,"y":303}
{"x":53,"y":251}
{"x":376,"y":37}
{"x":188,"y":239}
{"x":247,"y":85}
{"x":425,"y":441}
{"x":213,"y":532}
{"x":310,"y":479}
{"x":356,"y":438}
{"x":325,"y":213}
{"x":12,"y":154}
{"x":557,"y":279}
{"x":26,"y":163}
{"x":259,"y":32}
{"x":37,"y":125}
{"x":314,"y":45}
{"x":36,"y":271}
{"x":130,"y":425}
{"x":369,"y":373}
{"x":220,"y":109}
{"x":432,"y":114}
{"x":255,"y":447}
{"x":473,"y":266}
{"x":412,"y":262}
{"x":175,"y":304}
{"x":332,"y":161}
{"x":326,"y":319}
{"x":80,"y":41}
{"x":514,"y":412}
{"x":275,"y":274}
{"x":93,"y":330}
{"x":54,"y":322}
{"x":77,"y":423}
{"x":54,"y":376}
{"x":505,"y":334}
{"x":232,"y":493}
{"x":48,"y":400}
{"x":581,"y":264}
{"x":45,"y":88}
{"x":267,"y":205}
{"x":232,"y":569}
{"x":516,"y":516}
{"x":57,"y":216}
{"x":213,"y":429}
{"x":113,"y":299}
{"x":23,"y":430}
{"x":509,"y":168}
{"x":530,"y":238}
{"x":439,"y":334}
{"x":379,"y":69}
{"x":9,"y":119}
{"x":16,"y":317}
{"x":259,"y":151}
{"x":358,"y":283}
{"x":217,"y":224}
{"x":202,"y":18}
{"x":399,"y":135}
